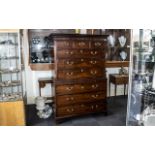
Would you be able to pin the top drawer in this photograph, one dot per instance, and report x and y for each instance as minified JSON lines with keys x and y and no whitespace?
{"x":73,"y":44}
{"x":80,"y":44}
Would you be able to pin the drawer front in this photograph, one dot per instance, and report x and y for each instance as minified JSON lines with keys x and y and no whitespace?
{"x":81,"y":109}
{"x":78,"y":63}
{"x":80,"y":88}
{"x":68,"y":53}
{"x":122,"y":80}
{"x":81,"y":44}
{"x":98,"y":44}
{"x":80,"y":73}
{"x":78,"y":98}
{"x":73,"y":44}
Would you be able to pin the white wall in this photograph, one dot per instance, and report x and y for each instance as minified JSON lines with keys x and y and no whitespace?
{"x":32,"y":78}
{"x":32,"y":86}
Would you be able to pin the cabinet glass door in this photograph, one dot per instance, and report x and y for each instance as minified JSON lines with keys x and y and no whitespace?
{"x":141,"y":100}
{"x":10,"y":67}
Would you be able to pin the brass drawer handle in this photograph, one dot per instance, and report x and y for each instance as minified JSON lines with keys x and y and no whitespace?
{"x":70,"y":110}
{"x":69,"y":52}
{"x":95,"y":86}
{"x":70,"y":62}
{"x":82,"y":43}
{"x":66,"y":43}
{"x":98,"y":44}
{"x":70,"y":98}
{"x":69,"y":88}
{"x":93,"y":72}
{"x":96,"y":106}
{"x":93,"y":52}
{"x":82,"y":60}
{"x":92,"y":107}
{"x":69,"y":73}
{"x":82,"y":87}
{"x":82,"y":70}
{"x":93,"y":62}
{"x":94,"y":96}
{"x":82,"y":105}
{"x":81,"y":51}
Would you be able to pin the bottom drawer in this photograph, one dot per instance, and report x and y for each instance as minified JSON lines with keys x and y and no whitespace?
{"x":81,"y":109}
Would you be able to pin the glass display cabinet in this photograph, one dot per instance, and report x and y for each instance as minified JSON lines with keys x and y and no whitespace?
{"x":41,"y":52}
{"x":118,"y":43}
{"x":141,"y":100}
{"x":11,"y":91}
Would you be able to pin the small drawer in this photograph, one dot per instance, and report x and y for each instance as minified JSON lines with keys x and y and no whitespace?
{"x":63,"y":44}
{"x":121,"y":80}
{"x":81,"y":44}
{"x":98,"y":44}
{"x":80,"y":88}
{"x":78,"y":63}
{"x":80,"y":98}
{"x":79,"y":73}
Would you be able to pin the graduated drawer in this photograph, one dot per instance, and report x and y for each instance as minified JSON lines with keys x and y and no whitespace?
{"x":72,"y":44}
{"x":80,"y":98}
{"x":80,"y":88}
{"x":72,"y":74}
{"x":81,"y":108}
{"x":79,"y":53}
{"x":78,"y":63}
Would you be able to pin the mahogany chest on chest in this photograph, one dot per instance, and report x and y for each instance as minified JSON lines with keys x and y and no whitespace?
{"x":80,"y":78}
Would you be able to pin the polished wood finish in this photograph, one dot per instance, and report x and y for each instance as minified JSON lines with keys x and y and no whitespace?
{"x":81,"y":109}
{"x":117,"y":79}
{"x":80,"y":79}
{"x":78,"y":63}
{"x":77,"y":98}
{"x":12,"y":113}
{"x":80,"y":53}
{"x":81,"y":88}
{"x":80,"y":73}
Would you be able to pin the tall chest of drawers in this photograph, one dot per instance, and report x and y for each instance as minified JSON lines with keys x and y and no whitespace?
{"x":80,"y":78}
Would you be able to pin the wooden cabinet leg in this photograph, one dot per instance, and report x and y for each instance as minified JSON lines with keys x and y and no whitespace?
{"x":115,"y":90}
{"x":109,"y":89}
{"x":124,"y":89}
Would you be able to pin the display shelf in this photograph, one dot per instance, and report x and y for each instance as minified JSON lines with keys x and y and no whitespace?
{"x":113,"y":64}
{"x":9,"y":71}
{"x":42,"y":67}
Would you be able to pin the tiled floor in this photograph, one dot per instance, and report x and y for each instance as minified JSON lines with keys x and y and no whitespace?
{"x":117,"y":107}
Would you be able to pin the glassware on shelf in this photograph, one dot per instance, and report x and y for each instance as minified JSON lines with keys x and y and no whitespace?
{"x":41,"y":46}
{"x":10,"y":67}
{"x":141,"y":100}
